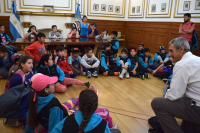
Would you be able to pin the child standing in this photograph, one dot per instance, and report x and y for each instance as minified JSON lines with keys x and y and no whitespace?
{"x":146,"y":61}
{"x":135,"y":68}
{"x":140,"y":49}
{"x":5,"y":40}
{"x":114,"y":43}
{"x":75,"y":62}
{"x":122,"y":62}
{"x":47,"y":67}
{"x":85,"y":120}
{"x":161,"y":56}
{"x":90,"y":63}
{"x":62,"y":62}
{"x":37,"y":49}
{"x":5,"y":61}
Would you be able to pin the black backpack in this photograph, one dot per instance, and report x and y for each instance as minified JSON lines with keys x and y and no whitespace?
{"x":153,"y":121}
{"x":10,"y":101}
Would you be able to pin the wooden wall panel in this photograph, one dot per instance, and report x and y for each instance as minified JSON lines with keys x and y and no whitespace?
{"x":154,"y":34}
{"x":5,"y":21}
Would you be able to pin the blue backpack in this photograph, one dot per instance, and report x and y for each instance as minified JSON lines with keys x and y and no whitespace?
{"x":194,"y":39}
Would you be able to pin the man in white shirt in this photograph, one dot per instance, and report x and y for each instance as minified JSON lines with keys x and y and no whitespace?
{"x":182,"y":100}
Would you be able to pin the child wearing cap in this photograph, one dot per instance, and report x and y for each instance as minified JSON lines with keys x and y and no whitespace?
{"x":135,"y":69}
{"x":47,"y":67}
{"x":146,"y":61}
{"x":140,"y":49}
{"x":61,"y":60}
{"x":74,"y":62}
{"x":161,"y":56}
{"x":123,"y":63}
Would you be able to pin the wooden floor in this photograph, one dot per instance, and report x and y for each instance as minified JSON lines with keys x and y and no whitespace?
{"x":129,"y":100}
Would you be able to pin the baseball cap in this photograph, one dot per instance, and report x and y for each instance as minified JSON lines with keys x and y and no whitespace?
{"x":15,"y":56}
{"x":75,"y":50}
{"x":161,"y":48}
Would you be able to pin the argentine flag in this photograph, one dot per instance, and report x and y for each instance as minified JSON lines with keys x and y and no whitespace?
{"x":15,"y":26}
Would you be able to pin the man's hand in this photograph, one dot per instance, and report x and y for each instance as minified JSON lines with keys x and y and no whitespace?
{"x":92,"y":67}
{"x":150,"y":64}
{"x":57,"y":85}
{"x":149,"y":70}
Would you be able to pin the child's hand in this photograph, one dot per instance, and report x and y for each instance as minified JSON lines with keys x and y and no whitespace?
{"x":56,"y":37}
{"x":149,"y":70}
{"x":134,"y":72}
{"x":150,"y":64}
{"x":22,"y":131}
{"x":79,"y":72}
{"x":126,"y":67}
{"x":102,"y":34}
{"x":154,"y":72}
{"x":167,"y":83}
{"x":114,"y":59}
{"x":92,"y":67}
{"x":57,"y":85}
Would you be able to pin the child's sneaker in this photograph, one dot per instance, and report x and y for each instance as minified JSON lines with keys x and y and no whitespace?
{"x":95,"y":90}
{"x":165,"y":80}
{"x":121,"y":76}
{"x":94,"y":74}
{"x":142,"y":77}
{"x":127,"y":75}
{"x":89,"y":74}
{"x":84,"y":73}
{"x":87,"y":84}
{"x":146,"y":76}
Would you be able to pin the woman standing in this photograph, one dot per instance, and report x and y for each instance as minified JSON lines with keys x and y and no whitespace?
{"x":84,"y":27}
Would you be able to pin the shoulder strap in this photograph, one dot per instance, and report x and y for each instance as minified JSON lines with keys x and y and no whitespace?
{"x":192,"y":23}
{"x":22,"y":75}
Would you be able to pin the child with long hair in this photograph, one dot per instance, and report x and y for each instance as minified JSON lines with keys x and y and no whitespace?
{"x":85,"y":120}
{"x":47,"y":67}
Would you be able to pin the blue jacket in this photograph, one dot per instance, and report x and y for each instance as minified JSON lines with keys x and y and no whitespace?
{"x":159,"y":53}
{"x":124,"y":59}
{"x":55,"y":114}
{"x":142,"y":61}
{"x":116,"y":46}
{"x":9,"y":54}
{"x":61,"y":74}
{"x":94,"y":121}
{"x":132,"y":62}
{"x":7,"y":37}
{"x":103,"y":62}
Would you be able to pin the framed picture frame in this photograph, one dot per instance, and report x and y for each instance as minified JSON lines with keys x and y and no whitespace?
{"x":153,"y":8}
{"x":133,"y":9}
{"x":197,"y":5}
{"x":117,"y":9}
{"x":103,"y":7}
{"x":96,"y":7}
{"x":138,"y":9}
{"x":110,"y":8}
{"x":186,"y":5}
{"x":48,"y":8}
{"x":163,"y":7}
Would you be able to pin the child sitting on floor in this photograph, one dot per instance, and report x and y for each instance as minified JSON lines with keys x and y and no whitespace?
{"x":114,"y":43}
{"x":122,"y":62}
{"x":47,"y":67}
{"x":146,"y":61}
{"x":62,"y":62}
{"x":85,"y":120}
{"x":135,"y":67}
{"x":90,"y":63}
{"x":74,"y":62}
{"x":140,"y":49}
{"x":107,"y":65}
{"x":161,"y":56}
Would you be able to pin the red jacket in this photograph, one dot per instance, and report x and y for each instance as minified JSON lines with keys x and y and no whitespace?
{"x":62,"y":62}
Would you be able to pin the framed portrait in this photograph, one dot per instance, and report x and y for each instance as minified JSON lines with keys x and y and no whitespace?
{"x":103,"y":7}
{"x":163,"y":7}
{"x":138,"y":9}
{"x":117,"y":9}
{"x":110,"y":8}
{"x":197,"y":5}
{"x":96,"y":7}
{"x":186,"y":5}
{"x":48,"y":8}
{"x":133,"y":9}
{"x":153,"y":8}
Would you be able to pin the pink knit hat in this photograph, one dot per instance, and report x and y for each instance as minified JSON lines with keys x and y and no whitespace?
{"x":40,"y":81}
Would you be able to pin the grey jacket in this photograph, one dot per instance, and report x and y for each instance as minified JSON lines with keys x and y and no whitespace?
{"x":88,"y":62}
{"x":52,"y":35}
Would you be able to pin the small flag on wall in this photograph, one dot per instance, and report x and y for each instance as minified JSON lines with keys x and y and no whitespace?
{"x":14,"y":22}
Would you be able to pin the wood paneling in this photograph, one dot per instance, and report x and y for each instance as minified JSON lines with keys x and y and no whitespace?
{"x":154,"y":34}
{"x":5,"y":21}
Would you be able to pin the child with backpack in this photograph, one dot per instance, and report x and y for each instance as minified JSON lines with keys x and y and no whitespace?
{"x":161,"y":56}
{"x":22,"y":75}
{"x":114,"y":43}
{"x":85,"y":120}
{"x":47,"y":67}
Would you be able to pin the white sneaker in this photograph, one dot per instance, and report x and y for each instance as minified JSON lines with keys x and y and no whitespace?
{"x":121,"y":76}
{"x":127,"y":75}
{"x":114,"y":127}
{"x":84,"y":73}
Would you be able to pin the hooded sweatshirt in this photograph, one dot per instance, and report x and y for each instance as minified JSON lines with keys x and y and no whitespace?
{"x":123,"y":59}
{"x":94,"y":121}
{"x":55,"y":114}
{"x":62,"y":62}
{"x":87,"y":62}
{"x":104,"y":60}
{"x":142,"y":61}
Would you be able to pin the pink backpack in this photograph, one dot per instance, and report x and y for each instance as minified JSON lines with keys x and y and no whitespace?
{"x":22,"y":76}
{"x":104,"y":113}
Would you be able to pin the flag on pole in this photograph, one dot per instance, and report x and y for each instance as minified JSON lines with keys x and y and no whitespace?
{"x":78,"y":14}
{"x":15,"y":26}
